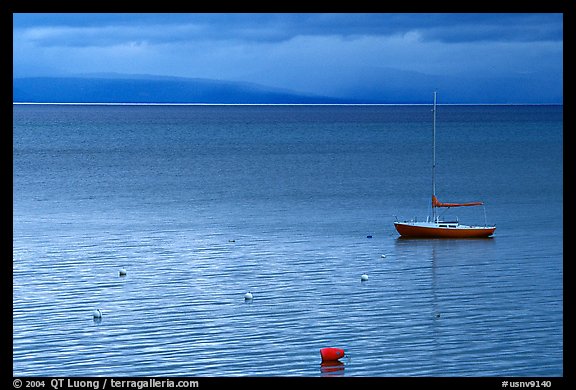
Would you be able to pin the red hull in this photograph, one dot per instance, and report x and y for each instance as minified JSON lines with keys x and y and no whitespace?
{"x":431,"y":231}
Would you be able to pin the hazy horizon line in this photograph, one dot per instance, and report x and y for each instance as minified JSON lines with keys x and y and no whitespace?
{"x":280,"y":104}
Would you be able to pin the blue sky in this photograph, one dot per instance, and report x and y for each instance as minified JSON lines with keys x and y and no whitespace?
{"x":466,"y":56}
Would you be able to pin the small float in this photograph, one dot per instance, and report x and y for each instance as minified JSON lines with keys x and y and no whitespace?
{"x":331,"y":354}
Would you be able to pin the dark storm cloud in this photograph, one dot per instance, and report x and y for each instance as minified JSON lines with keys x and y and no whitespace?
{"x":111,"y":29}
{"x":494,"y":27}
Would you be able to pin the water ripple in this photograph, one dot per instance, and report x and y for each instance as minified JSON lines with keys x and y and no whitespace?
{"x":202,"y":212}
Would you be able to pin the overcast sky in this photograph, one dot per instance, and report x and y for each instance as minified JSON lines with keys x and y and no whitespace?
{"x":325,"y":54}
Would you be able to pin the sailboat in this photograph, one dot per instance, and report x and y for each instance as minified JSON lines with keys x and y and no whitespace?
{"x":435,"y":226}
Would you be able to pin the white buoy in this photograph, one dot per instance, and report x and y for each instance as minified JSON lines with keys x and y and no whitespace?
{"x":364,"y":277}
{"x":248,"y":296}
{"x":122,"y":272}
{"x":97,"y":313}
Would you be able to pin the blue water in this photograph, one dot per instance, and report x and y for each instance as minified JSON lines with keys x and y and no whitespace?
{"x":201,"y":204}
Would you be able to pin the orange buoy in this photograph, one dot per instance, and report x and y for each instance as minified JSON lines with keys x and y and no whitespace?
{"x":331,"y":354}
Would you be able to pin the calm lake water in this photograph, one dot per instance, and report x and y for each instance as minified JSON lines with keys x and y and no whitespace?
{"x":201,"y":204}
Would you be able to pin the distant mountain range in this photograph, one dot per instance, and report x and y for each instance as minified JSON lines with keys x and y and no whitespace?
{"x":378,"y":85}
{"x":153,"y":89}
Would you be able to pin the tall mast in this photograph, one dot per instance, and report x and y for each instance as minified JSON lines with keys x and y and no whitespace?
{"x":434,"y":159}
